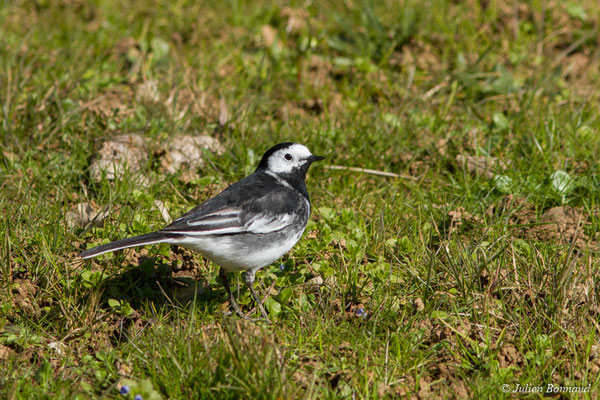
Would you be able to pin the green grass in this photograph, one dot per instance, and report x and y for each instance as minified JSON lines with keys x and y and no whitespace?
{"x":466,"y":281}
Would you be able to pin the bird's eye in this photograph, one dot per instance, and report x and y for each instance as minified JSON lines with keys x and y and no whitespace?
{"x":288,"y":156}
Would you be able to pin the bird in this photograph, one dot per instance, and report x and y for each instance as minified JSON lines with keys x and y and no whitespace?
{"x":247,"y":226}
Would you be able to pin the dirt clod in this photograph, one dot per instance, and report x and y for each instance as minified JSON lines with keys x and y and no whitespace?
{"x":24,"y":292}
{"x":118,"y":154}
{"x":188,"y":151}
{"x":562,"y":224}
{"x":5,"y":352}
{"x":84,"y":214}
{"x":558,"y":224}
{"x":296,"y":19}
{"x":509,"y":356}
{"x":418,"y":304}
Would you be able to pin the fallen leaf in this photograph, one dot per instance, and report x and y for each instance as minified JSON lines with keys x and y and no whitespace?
{"x":163,"y":211}
{"x":223,"y":112}
{"x":268,"y":34}
{"x":481,"y":165}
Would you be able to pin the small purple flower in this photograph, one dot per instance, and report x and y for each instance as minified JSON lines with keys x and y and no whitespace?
{"x":138,"y":397}
{"x":360,"y":311}
{"x":281,"y":267}
{"x":124,"y":390}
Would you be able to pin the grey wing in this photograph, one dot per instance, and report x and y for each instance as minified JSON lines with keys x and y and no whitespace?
{"x":249,"y":205}
{"x":229,"y":220}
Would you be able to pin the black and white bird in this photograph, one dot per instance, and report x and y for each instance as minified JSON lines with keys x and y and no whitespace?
{"x":247,"y":226}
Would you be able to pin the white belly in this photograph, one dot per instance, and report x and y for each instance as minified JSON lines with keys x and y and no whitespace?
{"x":242,"y":252}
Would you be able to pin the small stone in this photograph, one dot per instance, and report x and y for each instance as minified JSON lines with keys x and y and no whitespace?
{"x":316,"y":281}
{"x":58,"y":347}
{"x":147,"y":92}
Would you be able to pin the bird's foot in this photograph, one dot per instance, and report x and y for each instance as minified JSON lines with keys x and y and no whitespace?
{"x":264,"y":317}
{"x":249,"y":278}
{"x":236,"y":308}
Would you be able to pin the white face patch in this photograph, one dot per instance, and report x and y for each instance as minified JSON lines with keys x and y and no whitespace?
{"x":286,"y":160}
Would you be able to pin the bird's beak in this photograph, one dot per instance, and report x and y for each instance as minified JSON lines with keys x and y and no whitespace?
{"x":313,"y":158}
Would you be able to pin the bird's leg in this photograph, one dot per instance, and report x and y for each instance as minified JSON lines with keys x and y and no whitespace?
{"x":249,"y":278}
{"x":236,"y":308}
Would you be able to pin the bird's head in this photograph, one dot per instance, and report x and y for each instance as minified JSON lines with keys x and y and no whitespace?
{"x":288,"y":159}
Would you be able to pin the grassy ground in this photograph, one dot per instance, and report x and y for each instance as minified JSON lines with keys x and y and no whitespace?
{"x":478,"y":267}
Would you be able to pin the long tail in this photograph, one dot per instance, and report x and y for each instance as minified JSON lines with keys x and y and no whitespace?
{"x":141,"y":240}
